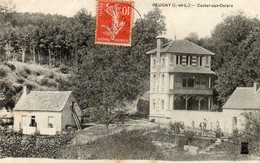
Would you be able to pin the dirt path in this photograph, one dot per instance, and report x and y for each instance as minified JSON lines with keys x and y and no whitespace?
{"x":90,"y":134}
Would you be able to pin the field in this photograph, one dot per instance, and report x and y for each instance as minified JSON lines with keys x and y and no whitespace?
{"x":136,"y":140}
{"x":143,"y":140}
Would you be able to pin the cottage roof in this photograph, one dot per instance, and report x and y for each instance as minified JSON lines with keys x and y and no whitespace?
{"x":182,"y":46}
{"x":191,"y":69}
{"x":244,"y":98}
{"x":43,"y":101}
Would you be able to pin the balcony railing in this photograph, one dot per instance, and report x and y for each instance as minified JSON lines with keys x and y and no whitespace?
{"x":192,"y":91}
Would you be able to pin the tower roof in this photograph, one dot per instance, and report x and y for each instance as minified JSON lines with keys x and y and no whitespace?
{"x":182,"y":46}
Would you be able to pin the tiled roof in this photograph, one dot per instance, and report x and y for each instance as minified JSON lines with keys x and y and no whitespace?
{"x":244,"y":98}
{"x":191,"y":69}
{"x":43,"y":101}
{"x":182,"y":46}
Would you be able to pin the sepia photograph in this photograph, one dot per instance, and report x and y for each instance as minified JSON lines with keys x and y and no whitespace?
{"x":164,"y":80}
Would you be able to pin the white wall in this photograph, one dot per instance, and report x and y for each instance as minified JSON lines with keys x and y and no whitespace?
{"x":41,"y":119}
{"x":224,"y":118}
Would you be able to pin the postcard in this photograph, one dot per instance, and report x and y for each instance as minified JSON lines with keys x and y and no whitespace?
{"x":129,"y":80}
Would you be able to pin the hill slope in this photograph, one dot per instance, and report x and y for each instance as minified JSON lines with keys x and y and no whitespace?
{"x":13,"y":75}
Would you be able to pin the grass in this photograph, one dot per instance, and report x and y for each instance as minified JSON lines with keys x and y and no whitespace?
{"x":146,"y":143}
{"x":123,"y":145}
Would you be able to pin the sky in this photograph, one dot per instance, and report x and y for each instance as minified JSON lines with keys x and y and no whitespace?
{"x":180,"y":20}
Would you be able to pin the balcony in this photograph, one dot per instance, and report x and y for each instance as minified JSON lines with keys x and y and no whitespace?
{"x":192,"y":91}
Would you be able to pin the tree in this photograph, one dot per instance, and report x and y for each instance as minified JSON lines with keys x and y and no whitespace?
{"x":251,"y":131}
{"x":193,"y":37}
{"x":234,"y":42}
{"x":124,"y":70}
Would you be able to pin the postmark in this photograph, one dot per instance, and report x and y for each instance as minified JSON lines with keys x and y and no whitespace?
{"x":114,"y":22}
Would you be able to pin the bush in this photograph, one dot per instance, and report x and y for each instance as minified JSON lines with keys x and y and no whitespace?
{"x":27,"y":71}
{"x":11,"y":66}
{"x":48,"y":82}
{"x":22,"y":73}
{"x":14,"y":144}
{"x":143,"y":108}
{"x":64,"y":69}
{"x":3,"y":71}
{"x":20,"y":80}
{"x":189,"y":136}
{"x":219,"y":133}
{"x":176,"y":127}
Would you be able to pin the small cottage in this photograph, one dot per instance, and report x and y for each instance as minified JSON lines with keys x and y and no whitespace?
{"x":242,"y":100}
{"x":46,"y":112}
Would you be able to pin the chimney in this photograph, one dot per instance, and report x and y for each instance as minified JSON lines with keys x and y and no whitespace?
{"x":25,"y":90}
{"x":256,"y":86}
{"x":159,"y":47}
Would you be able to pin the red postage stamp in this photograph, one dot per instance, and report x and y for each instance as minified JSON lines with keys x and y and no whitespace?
{"x":114,"y":22}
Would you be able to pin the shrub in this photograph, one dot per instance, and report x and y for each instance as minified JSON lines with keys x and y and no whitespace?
{"x":143,"y":108}
{"x":22,"y":73}
{"x":11,"y":66}
{"x":28,"y":71}
{"x":64,"y":69}
{"x":219,"y":133}
{"x":14,"y":144}
{"x":3,"y":71}
{"x":189,"y":136}
{"x":48,"y":82}
{"x":38,"y":74}
{"x":20,"y":80}
{"x":175,"y":127}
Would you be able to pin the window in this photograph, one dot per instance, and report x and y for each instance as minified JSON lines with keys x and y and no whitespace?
{"x":178,"y":82}
{"x":180,"y":59}
{"x":194,"y":60}
{"x":184,"y":60}
{"x":200,"y":61}
{"x":204,"y":82}
{"x":162,"y":84}
{"x":50,"y":121}
{"x":154,"y":82}
{"x":153,"y":104}
{"x":171,"y":81}
{"x":234,"y":123}
{"x":184,"y":82}
{"x":163,"y":62}
{"x":190,"y":83}
{"x":207,"y":60}
{"x":162,"y":104}
{"x":177,"y":59}
{"x":197,"y":82}
{"x":33,"y":122}
{"x":154,"y":62}
{"x":23,"y":120}
{"x":187,"y":60}
{"x":172,"y":57}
